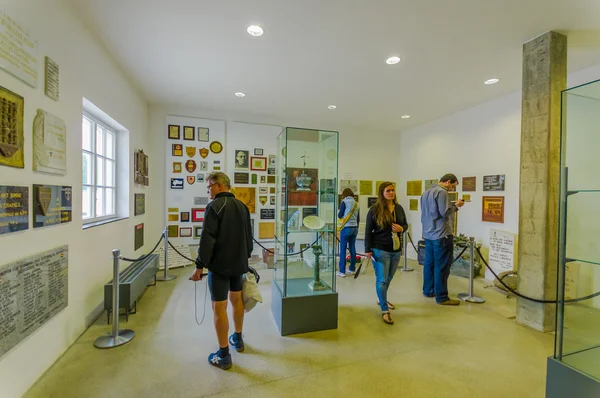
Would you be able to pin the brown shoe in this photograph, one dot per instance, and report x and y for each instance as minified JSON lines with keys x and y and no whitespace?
{"x":450,"y":302}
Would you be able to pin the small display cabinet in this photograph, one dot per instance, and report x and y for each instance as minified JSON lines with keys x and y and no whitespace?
{"x":304,"y":298}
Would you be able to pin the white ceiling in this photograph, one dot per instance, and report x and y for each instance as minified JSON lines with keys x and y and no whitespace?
{"x":320,"y":52}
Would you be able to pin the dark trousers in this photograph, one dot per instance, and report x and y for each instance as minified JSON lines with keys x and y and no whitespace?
{"x":436,"y":270}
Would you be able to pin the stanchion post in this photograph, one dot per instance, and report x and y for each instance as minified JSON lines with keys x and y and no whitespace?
{"x":166,"y":276}
{"x":117,"y":337}
{"x":469,"y":296}
{"x":405,"y":268}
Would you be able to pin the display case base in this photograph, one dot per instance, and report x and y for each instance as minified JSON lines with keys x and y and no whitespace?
{"x":303,"y":314}
{"x":564,"y":381}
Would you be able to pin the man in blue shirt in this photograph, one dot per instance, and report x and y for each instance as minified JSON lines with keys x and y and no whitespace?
{"x":437,"y":218}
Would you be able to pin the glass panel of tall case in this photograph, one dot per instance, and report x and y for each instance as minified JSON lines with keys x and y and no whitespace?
{"x":305,"y":298}
{"x":576,"y":358}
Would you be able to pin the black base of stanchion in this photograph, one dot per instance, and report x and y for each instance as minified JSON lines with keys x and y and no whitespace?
{"x":124,"y":337}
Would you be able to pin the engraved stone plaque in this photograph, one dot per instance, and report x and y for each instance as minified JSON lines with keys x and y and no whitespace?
{"x":32,"y":291}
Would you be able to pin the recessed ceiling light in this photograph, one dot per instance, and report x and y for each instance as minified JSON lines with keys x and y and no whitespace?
{"x":392,"y":60}
{"x":491,"y":81}
{"x":405,"y":116}
{"x":255,"y":30}
{"x":332,"y":107}
{"x":240,"y":95}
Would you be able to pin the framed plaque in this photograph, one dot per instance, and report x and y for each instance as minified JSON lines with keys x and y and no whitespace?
{"x":173,"y":231}
{"x":139,"y":236}
{"x":258,"y":152}
{"x":197,"y":232}
{"x":140,"y":204}
{"x":185,"y":216}
{"x":11,"y":133}
{"x":174,"y":132}
{"x":493,"y":182}
{"x":430,"y":183}
{"x":198,"y":215}
{"x":492,"y":209}
{"x":14,"y":209}
{"x":185,"y":232}
{"x":203,"y":134}
{"x":52,"y":205}
{"x":188,"y":133}
{"x":177,"y":150}
{"x":469,"y":184}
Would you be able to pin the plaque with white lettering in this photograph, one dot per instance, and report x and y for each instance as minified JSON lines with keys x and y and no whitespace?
{"x":14,"y":209}
{"x":52,"y":204}
{"x":32,"y":291}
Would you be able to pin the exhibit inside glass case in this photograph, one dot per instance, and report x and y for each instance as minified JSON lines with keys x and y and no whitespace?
{"x":576,"y":361}
{"x":304,"y":296}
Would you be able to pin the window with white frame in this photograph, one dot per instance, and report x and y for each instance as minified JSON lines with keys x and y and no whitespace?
{"x":99,"y":170}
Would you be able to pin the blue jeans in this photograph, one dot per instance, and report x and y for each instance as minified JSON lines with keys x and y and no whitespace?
{"x":385,"y":265}
{"x":348,"y":239}
{"x":436,"y":270}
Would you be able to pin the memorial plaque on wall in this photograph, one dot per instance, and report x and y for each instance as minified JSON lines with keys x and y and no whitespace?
{"x":139,"y":236}
{"x":241,"y":178}
{"x":49,"y":143}
{"x":414,"y":188}
{"x":469,"y":184}
{"x":493,"y":183}
{"x":413,"y":204}
{"x":18,"y":51}
{"x":371,"y":201}
{"x":430,"y":183}
{"x":14,"y":209}
{"x":52,"y":204}
{"x":267,"y":214}
{"x":32,"y":291}
{"x":502,"y":252}
{"x":140,"y":204}
{"x":492,"y":209}
{"x":11,"y":133}
{"x":174,"y":259}
{"x":52,"y":80}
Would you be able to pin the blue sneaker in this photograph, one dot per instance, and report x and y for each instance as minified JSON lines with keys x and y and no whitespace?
{"x":220,"y":362}
{"x":238,"y":344}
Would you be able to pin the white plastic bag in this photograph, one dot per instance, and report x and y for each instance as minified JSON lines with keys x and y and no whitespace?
{"x":250,"y":292}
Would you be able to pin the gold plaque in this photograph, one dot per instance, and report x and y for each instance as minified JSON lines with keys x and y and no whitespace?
{"x":176,"y":167}
{"x":414,"y":188}
{"x":173,"y":217}
{"x":466,"y":197}
{"x":204,"y":153}
{"x":216,"y":147}
{"x":262,"y":200}
{"x":173,"y":209}
{"x":173,"y":231}
{"x":414,"y":204}
{"x":190,"y":151}
{"x":191,"y":180}
{"x":11,"y":129}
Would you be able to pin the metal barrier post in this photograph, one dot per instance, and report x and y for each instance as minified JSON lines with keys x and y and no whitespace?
{"x":166,"y":276}
{"x":469,"y":296}
{"x":406,"y":268}
{"x":117,"y":337}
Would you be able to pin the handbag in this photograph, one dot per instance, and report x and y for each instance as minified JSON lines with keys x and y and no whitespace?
{"x":250,"y":291}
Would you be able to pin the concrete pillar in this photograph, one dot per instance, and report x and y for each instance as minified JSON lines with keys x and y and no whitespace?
{"x":544,"y":77}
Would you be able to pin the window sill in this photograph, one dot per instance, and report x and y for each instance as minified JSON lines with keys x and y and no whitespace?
{"x":108,"y":221}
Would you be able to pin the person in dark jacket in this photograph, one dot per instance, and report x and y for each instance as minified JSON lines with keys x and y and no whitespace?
{"x":386,"y":222}
{"x":225,"y":246}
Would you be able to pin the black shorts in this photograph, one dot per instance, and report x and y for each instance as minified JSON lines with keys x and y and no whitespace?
{"x":220,"y":286}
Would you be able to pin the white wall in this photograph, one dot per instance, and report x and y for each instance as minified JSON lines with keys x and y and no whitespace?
{"x":478,"y":141}
{"x":86,"y":70}
{"x":363,"y":155}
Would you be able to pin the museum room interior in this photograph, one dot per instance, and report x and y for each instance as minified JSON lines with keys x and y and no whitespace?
{"x":115,"y":112}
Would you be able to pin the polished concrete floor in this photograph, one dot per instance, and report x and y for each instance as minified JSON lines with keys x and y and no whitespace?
{"x":431,"y":351}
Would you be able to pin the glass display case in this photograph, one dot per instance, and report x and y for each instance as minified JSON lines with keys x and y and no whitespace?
{"x":576,"y":361}
{"x":304,"y":295}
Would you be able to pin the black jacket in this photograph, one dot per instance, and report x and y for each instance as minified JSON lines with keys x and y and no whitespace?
{"x":226,"y":240}
{"x":381,"y":238}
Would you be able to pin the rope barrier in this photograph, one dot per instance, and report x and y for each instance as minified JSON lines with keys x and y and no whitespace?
{"x":575,"y":300}
{"x":145,"y":256}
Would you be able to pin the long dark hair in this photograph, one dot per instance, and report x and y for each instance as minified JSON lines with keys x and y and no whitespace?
{"x":381,"y":214}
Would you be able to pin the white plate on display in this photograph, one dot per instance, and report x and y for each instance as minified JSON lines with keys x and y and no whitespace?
{"x":313,"y":222}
